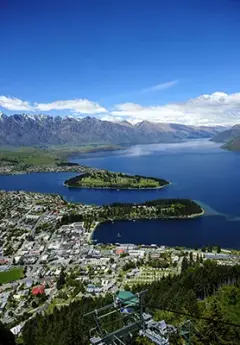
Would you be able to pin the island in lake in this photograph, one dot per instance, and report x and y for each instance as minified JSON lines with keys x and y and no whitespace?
{"x":112,"y":180}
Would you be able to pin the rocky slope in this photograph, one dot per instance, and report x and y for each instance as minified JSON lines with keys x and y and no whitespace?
{"x":232,"y":145}
{"x":227,"y":135}
{"x":31,"y":130}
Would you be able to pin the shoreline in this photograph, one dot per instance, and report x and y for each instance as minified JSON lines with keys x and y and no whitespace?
{"x":115,"y":188}
{"x":90,"y":235}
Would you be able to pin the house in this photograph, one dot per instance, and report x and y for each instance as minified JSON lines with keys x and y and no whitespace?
{"x":3,"y":261}
{"x":38,"y":290}
{"x":120,"y":251}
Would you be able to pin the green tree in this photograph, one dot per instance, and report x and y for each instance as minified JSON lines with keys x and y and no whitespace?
{"x":6,"y":337}
{"x":185,"y":264}
{"x":191,"y":261}
{"x":61,"y":280}
{"x":215,"y":330}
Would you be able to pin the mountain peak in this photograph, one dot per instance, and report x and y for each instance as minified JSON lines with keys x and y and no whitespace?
{"x":2,"y":116}
{"x":24,"y":129}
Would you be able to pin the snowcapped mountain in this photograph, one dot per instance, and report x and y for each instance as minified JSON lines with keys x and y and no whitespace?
{"x":25,"y":129}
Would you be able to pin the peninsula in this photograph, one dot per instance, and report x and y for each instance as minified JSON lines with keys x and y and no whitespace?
{"x":111,"y":180}
{"x":153,"y":209}
{"x":46,"y":159}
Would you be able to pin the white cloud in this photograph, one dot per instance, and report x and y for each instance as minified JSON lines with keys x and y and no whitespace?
{"x":82,"y":106}
{"x":12,"y":103}
{"x":216,"y":109}
{"x":159,"y":87}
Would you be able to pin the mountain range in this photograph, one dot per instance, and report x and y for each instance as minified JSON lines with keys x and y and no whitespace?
{"x":28,"y":130}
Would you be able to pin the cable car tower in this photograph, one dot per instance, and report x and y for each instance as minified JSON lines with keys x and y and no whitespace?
{"x":127,"y":312}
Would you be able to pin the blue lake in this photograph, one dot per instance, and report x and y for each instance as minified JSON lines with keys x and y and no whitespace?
{"x":199,"y":170}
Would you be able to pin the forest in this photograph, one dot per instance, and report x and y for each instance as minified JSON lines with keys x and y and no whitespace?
{"x":201,"y":290}
{"x":155,"y":209}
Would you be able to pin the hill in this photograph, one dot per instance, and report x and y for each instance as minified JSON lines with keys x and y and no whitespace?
{"x":227,"y":135}
{"x":30,"y":130}
{"x":232,"y":145}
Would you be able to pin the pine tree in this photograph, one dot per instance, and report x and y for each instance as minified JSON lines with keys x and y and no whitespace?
{"x":185,"y":264}
{"x":215,"y":330}
{"x":61,"y":280}
{"x":6,"y":337}
{"x":191,"y":261}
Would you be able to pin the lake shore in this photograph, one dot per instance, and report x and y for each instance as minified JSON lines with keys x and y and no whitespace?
{"x":115,"y":188}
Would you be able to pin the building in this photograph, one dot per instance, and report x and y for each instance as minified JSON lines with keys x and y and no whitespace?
{"x":38,"y":290}
{"x":120,"y":251}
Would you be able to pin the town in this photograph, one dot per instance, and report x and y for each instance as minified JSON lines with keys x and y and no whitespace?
{"x":48,"y":258}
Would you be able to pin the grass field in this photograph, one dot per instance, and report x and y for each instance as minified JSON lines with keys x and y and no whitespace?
{"x":11,"y":275}
{"x":118,"y":181}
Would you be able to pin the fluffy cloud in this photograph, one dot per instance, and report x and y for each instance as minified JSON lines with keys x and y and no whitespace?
{"x":82,"y":106}
{"x":216,"y":109}
{"x":11,"y":103}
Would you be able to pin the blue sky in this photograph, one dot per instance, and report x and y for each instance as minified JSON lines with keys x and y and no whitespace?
{"x":136,"y":60}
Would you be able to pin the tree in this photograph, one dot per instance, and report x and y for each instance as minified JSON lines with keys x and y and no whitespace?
{"x":61,"y":280}
{"x":34,"y":304}
{"x":6,"y":337}
{"x":191,"y":261}
{"x":111,"y":260}
{"x":185,"y":264}
{"x":215,"y":330}
{"x":198,"y":259}
{"x":210,"y":248}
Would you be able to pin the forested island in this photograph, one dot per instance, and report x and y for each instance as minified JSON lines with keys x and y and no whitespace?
{"x":112,"y":180}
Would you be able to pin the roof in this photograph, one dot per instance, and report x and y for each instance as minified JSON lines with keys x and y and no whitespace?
{"x":38,"y":290}
{"x":120,"y":251}
{"x":127,"y":297}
